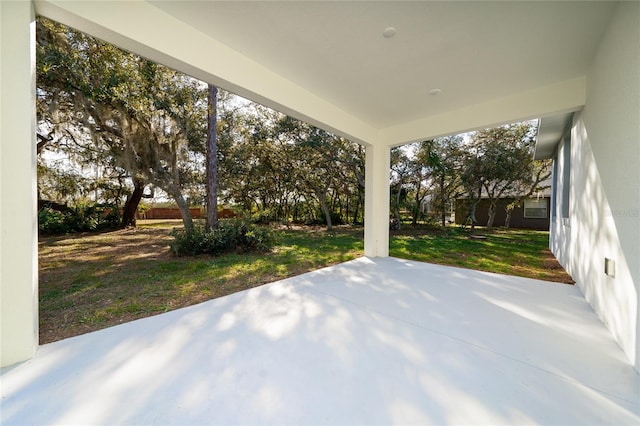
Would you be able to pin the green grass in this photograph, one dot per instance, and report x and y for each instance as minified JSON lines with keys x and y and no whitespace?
{"x":514,"y":252}
{"x":92,"y":281}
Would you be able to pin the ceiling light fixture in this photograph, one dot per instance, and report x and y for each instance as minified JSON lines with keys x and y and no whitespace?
{"x":389,"y":32}
{"x":434,"y":92}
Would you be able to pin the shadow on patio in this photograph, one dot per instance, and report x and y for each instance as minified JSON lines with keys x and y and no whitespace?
{"x":371,"y":341}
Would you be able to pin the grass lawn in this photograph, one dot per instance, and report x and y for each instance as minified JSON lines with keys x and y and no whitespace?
{"x":93,"y":281}
{"x":524,"y":253}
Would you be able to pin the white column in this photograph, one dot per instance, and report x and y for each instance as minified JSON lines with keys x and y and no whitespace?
{"x":18,"y":222}
{"x":376,"y":201}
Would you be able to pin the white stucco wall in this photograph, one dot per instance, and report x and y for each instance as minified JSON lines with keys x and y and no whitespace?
{"x":376,"y":202}
{"x":18,"y":225}
{"x":604,"y":219}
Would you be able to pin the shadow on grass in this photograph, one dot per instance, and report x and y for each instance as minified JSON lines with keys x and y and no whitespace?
{"x":92,"y":281}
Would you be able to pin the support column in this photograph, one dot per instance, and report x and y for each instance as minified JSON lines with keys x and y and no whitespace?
{"x":18,"y":221}
{"x":376,"y":201}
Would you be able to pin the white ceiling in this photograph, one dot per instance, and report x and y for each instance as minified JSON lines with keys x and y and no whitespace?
{"x":328,"y":63}
{"x":472,"y":51}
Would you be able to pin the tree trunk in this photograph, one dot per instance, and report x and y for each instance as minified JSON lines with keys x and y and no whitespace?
{"x":131,"y":206}
{"x":356,"y":210}
{"x":507,"y":219}
{"x":492,"y":213}
{"x":415,"y":212}
{"x":396,"y":208}
{"x":212,"y":160}
{"x":183,"y":207}
{"x":443,"y":201}
{"x":325,"y":209}
{"x":472,"y":213}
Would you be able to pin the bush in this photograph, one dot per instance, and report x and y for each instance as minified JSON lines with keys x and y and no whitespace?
{"x":232,"y":236}
{"x":83,"y":218}
{"x":262,"y":217}
{"x":52,"y":222}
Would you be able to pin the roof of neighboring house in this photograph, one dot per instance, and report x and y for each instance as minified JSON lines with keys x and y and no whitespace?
{"x":546,"y":193}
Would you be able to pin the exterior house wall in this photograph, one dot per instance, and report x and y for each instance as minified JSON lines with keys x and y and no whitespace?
{"x":604,"y":180}
{"x":18,"y":222}
{"x":517,"y":217}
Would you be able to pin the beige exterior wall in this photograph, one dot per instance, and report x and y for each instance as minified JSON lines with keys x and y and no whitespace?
{"x":604,"y":216}
{"x":18,"y":238}
{"x":376,"y":202}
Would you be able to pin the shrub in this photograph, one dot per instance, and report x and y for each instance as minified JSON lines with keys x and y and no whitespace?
{"x":52,"y":222}
{"x":262,"y":217}
{"x":230,"y":236}
{"x":80,"y":219}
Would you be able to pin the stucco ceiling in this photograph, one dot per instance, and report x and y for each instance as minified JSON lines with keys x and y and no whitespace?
{"x":472,"y":51}
{"x":328,"y":62}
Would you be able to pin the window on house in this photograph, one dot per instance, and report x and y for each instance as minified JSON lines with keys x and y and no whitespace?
{"x":535,"y":209}
{"x":566,"y":173}
{"x":554,"y":185}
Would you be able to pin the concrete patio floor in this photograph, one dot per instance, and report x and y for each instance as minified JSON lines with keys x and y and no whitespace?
{"x":371,"y":341}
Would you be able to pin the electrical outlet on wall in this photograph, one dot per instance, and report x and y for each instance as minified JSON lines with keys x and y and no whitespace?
{"x":609,"y":267}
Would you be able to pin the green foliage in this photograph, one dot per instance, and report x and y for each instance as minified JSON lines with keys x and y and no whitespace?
{"x":230,"y":236}
{"x":134,"y":119}
{"x":52,"y":222}
{"x":143,"y":208}
{"x":128,"y":119}
{"x":288,"y":169}
{"x":263,"y":217}
{"x":81,"y":219}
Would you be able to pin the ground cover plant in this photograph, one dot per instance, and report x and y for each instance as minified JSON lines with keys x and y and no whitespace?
{"x":91,"y":281}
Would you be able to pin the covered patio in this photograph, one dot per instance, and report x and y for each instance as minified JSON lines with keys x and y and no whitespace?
{"x":371,"y":341}
{"x":377,"y":340}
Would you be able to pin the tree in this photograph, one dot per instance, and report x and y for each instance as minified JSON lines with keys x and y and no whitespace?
{"x":401,"y":169}
{"x":507,"y":159}
{"x":144,"y":126}
{"x":314,"y":158}
{"x":418,"y":185}
{"x":442,"y":156}
{"x":495,"y":162}
{"x":212,"y":159}
{"x":472,"y":179}
{"x":118,"y":109}
{"x":540,"y":172}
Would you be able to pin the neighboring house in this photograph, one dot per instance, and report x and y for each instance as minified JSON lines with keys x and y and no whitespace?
{"x":428,"y":209}
{"x":533,"y":213}
{"x":453,"y":67}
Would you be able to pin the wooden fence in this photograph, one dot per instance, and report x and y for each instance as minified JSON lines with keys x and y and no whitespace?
{"x":174,"y":213}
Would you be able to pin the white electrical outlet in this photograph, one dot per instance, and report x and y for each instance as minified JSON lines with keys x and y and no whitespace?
{"x":609,"y":267}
